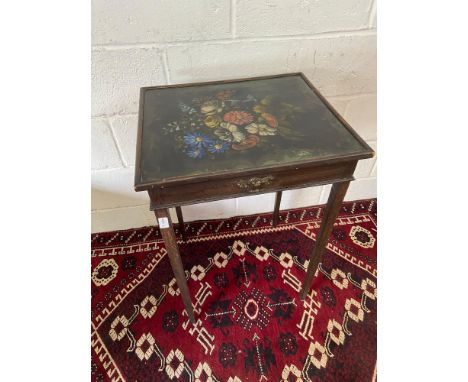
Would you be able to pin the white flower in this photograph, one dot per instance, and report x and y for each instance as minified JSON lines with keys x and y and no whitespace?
{"x":229,"y":132}
{"x":229,"y":126}
{"x":261,"y":129}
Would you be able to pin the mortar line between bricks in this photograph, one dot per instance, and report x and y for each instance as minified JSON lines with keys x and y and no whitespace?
{"x":350,"y":97}
{"x":120,"y":207}
{"x":110,"y":169}
{"x":116,"y":142}
{"x":114,"y":115}
{"x":95,"y":170}
{"x":370,"y":177}
{"x":233,"y":19}
{"x":165,"y":61}
{"x":372,"y":14}
{"x":346,"y":108}
{"x":372,"y":173}
{"x":322,"y":192}
{"x":364,"y":32}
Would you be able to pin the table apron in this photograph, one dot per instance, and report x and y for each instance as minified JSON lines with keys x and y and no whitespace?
{"x":262,"y":182}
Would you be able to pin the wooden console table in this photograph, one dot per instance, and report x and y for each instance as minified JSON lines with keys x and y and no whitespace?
{"x":215,"y":140}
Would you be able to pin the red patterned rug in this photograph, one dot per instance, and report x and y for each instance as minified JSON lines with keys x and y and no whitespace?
{"x":244,"y":277}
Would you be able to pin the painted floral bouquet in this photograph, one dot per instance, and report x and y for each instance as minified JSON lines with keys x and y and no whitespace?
{"x":214,"y":125}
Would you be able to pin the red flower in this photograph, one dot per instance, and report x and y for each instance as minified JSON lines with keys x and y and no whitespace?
{"x":271,"y":120}
{"x":248,"y":143}
{"x":238,"y":117}
{"x":225,"y":94}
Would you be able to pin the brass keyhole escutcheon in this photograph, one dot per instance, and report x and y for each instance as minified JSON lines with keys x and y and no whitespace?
{"x":254,"y":184}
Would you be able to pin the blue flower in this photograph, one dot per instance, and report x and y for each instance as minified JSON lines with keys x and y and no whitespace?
{"x":196,"y":152}
{"x":218,"y":147}
{"x":197,"y":140}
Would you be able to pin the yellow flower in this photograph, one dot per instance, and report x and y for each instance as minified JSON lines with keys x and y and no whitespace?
{"x":258,"y":109}
{"x":209,"y":107}
{"x":212,"y":121}
{"x":266,"y":101}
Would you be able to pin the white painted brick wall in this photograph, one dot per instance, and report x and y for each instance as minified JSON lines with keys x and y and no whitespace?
{"x":125,"y":132}
{"x":341,"y":66}
{"x":300,"y":17}
{"x":361,"y":113}
{"x":104,"y":153}
{"x":154,"y":42}
{"x":150,"y":21}
{"x":117,"y":75}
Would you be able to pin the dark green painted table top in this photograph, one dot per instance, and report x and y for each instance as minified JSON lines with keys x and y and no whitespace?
{"x":202,"y":129}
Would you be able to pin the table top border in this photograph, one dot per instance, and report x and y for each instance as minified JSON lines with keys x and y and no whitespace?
{"x":367,"y":151}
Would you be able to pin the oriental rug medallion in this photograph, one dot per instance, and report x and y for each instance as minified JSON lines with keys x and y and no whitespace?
{"x":244,"y":277}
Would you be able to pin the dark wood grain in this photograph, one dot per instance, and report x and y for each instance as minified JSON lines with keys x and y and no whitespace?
{"x":221,"y":188}
{"x":139,"y":134}
{"x":337,"y":194}
{"x":189,"y":180}
{"x":366,"y":151}
{"x":176,"y":262}
{"x":278,"y":196}
{"x":180,"y":218}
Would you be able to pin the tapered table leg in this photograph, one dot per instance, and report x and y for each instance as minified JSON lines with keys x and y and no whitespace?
{"x":277,"y":206}
{"x":167,"y":232}
{"x":335,"y":199}
{"x":180,"y":218}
